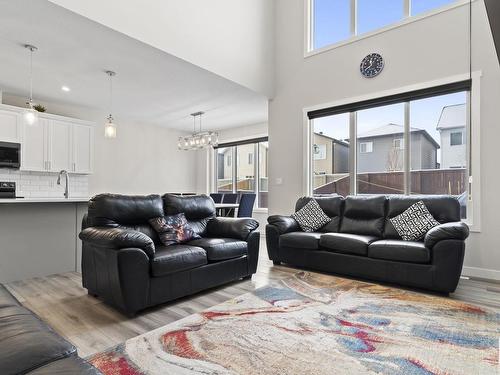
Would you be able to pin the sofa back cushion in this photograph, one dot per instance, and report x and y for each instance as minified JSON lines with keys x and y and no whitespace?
{"x":364,"y":215}
{"x":332,"y":206}
{"x":198,"y":209}
{"x":444,"y":209}
{"x":125,"y":211}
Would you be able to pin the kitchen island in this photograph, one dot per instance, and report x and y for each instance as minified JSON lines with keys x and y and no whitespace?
{"x":39,"y":236}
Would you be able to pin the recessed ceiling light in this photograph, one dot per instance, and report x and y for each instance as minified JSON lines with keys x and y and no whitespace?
{"x":66,"y":89}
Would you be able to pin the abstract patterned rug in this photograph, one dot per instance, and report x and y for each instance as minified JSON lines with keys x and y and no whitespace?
{"x":318,"y":324}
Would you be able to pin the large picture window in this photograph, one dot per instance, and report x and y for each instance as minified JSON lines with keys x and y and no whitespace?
{"x":335,"y":21}
{"x":414,"y":144}
{"x":249,"y":171}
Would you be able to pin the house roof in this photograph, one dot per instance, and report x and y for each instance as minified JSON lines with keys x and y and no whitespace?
{"x":395,"y":129}
{"x":453,"y":116}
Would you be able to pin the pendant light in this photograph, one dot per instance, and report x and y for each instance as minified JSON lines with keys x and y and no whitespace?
{"x":199,"y":139}
{"x":30,"y":114}
{"x":110,"y":126}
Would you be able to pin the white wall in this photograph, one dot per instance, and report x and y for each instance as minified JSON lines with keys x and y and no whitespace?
{"x":143,"y":159}
{"x":430,"y":49}
{"x":232,"y":38}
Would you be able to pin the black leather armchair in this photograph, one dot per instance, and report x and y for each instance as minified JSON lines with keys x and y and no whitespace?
{"x":124,"y":262}
{"x":360,"y":241}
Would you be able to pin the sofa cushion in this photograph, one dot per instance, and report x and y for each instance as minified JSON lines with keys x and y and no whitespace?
{"x":311,"y":217}
{"x":113,"y":210}
{"x":414,"y":223}
{"x":198,"y":209}
{"x":331,"y":205}
{"x":400,"y":251}
{"x":301,"y":240}
{"x":221,"y":248}
{"x":443,"y":208}
{"x":67,"y":366}
{"x":27,"y":343}
{"x":346,"y":243}
{"x":177,"y":258}
{"x":364,"y":215}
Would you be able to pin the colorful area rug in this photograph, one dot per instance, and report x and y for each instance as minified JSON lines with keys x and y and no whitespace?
{"x":318,"y":324}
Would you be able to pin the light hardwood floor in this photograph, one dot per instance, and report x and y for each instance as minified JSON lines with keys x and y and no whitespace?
{"x":92,"y":326}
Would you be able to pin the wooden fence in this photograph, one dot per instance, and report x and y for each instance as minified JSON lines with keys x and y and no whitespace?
{"x":434,"y":181}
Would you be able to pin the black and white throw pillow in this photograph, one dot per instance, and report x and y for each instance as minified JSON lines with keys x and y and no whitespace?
{"x":414,"y":223}
{"x":311,"y":217}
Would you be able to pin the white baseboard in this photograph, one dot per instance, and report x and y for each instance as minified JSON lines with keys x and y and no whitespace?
{"x":482,"y":273}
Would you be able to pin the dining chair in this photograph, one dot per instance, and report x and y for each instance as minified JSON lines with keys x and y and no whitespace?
{"x":229,"y":198}
{"x":217,"y":197}
{"x":247,"y":202}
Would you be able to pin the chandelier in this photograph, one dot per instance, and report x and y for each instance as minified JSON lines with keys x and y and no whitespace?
{"x":199,"y":139}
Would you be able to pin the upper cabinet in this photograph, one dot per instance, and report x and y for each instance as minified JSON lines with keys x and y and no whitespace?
{"x":55,"y":143}
{"x":83,"y":149}
{"x":10,"y":129}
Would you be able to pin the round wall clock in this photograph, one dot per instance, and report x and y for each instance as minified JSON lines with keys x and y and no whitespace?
{"x":372,"y":65}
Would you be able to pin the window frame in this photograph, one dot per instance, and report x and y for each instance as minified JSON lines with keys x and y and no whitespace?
{"x":473,"y":132}
{"x":368,"y":150}
{"x":461,"y":138}
{"x":233,"y":146}
{"x":401,"y":142}
{"x":309,"y":49}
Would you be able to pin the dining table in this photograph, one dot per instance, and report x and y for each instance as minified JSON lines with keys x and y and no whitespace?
{"x":221,"y":207}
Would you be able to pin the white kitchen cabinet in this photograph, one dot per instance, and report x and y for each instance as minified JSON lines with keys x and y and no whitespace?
{"x":59,"y":145}
{"x":10,"y":129}
{"x":83,"y":149}
{"x":34,"y":146}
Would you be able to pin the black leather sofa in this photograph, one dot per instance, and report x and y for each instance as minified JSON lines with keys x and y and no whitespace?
{"x":360,"y":241}
{"x":29,"y":346}
{"x":124,"y":262}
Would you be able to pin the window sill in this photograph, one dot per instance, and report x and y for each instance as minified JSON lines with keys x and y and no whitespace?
{"x":403,"y":22}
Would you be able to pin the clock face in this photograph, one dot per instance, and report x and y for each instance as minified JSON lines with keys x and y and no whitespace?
{"x":371,"y":65}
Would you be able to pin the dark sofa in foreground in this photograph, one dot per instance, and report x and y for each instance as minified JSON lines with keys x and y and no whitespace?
{"x":29,"y":346}
{"x":360,"y":241}
{"x":124,"y":262}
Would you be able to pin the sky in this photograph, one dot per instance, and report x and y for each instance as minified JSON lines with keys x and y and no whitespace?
{"x":332,"y":24}
{"x":332,"y":17}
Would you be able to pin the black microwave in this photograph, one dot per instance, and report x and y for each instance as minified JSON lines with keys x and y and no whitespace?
{"x":10,"y":154}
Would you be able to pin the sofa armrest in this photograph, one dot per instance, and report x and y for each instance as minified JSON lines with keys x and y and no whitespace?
{"x":118,"y":238}
{"x":231,"y":227}
{"x":284,"y":224}
{"x":447,"y":231}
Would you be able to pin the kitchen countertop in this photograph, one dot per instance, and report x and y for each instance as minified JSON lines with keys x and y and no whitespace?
{"x":44,"y":200}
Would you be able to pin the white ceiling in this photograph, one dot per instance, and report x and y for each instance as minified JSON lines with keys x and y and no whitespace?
{"x":151,"y":86}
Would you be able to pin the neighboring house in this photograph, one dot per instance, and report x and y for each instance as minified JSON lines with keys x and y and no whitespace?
{"x":452,"y":127}
{"x":331,"y":155}
{"x":246,"y":159}
{"x":382,"y":150}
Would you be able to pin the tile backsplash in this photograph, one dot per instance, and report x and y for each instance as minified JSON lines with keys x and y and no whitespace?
{"x":44,"y":184}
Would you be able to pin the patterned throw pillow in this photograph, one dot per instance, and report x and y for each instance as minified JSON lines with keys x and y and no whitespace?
{"x":173,"y":229}
{"x":414,"y":223}
{"x":311,"y":217}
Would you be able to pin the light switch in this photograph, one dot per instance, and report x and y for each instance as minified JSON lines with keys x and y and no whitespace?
{"x":279,"y":181}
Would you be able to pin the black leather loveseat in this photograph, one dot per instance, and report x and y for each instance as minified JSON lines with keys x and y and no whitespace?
{"x":124,"y":262}
{"x":360,"y":241}
{"x":29,"y":346}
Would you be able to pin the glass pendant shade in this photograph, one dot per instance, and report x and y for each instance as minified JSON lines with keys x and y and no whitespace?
{"x":110,"y":128}
{"x":30,"y":115}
